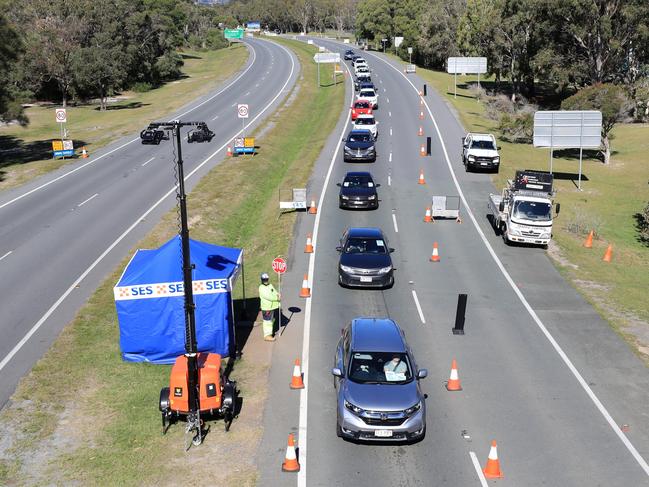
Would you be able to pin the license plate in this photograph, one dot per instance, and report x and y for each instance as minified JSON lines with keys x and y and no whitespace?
{"x":483,"y":163}
{"x":367,"y":279}
{"x":358,"y":202}
{"x":383,"y":433}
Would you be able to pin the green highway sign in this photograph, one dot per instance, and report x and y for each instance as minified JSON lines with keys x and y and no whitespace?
{"x":233,"y":33}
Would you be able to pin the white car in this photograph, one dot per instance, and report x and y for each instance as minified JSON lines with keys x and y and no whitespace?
{"x":358,"y":61}
{"x":370,"y":95}
{"x":366,"y":122}
{"x":361,"y":69}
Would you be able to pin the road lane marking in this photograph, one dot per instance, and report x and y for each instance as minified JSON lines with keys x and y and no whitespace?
{"x":390,"y":157}
{"x":306,"y":333}
{"x":421,"y":313}
{"x":234,"y":104}
{"x":86,"y":201}
{"x":384,"y":90}
{"x":215,"y":117}
{"x":589,"y":392}
{"x":145,"y":163}
{"x":388,"y":100}
{"x":247,"y":94}
{"x":137,"y":221}
{"x":394,"y":221}
{"x":478,"y":469}
{"x":389,"y":114}
{"x":6,"y":255}
{"x":95,"y":159}
{"x":390,"y":131}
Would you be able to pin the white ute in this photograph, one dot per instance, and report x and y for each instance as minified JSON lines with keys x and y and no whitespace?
{"x":523,"y":211}
{"x":480,"y":151}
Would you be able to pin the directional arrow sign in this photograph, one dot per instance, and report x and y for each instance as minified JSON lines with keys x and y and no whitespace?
{"x":327,"y":57}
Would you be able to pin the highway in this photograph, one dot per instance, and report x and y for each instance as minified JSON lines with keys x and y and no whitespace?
{"x":63,"y":233}
{"x":541,"y":372}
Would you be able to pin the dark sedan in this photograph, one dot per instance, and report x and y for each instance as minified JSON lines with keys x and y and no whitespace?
{"x":359,"y":146}
{"x":358,"y":190}
{"x":365,"y":259}
{"x":348,"y":54}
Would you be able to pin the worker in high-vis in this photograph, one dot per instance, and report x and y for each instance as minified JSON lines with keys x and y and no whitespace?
{"x":268,"y":302}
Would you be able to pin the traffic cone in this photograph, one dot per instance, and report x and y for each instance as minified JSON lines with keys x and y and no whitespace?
{"x":421,"y":115}
{"x":588,"y":243}
{"x":608,"y":255}
{"x":421,"y":131}
{"x":305,"y":292}
{"x":290,"y":460}
{"x":435,"y":256}
{"x":421,"y":177}
{"x":296,"y":381}
{"x":308,"y":248}
{"x":427,"y":217}
{"x":84,"y":153}
{"x":453,"y":383}
{"x":492,"y":470}
{"x":421,"y":102}
{"x":422,"y":150}
{"x":421,"y":93}
{"x":313,"y":209}
{"x":229,"y":151}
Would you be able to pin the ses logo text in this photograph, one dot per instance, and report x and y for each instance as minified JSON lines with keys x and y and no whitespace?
{"x":170,"y":289}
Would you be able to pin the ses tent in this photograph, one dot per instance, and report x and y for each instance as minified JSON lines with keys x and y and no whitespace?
{"x":149,"y":298}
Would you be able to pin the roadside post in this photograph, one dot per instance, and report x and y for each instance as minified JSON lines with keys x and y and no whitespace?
{"x":459,"y":314}
{"x":242,"y":113}
{"x":279,"y":266}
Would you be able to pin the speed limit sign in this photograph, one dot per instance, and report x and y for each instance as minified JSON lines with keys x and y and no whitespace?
{"x":61,"y":117}
{"x":242,"y":110}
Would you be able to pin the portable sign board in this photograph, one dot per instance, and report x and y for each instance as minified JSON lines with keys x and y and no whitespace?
{"x":466,"y":65}
{"x":534,"y":181}
{"x":61,"y":116}
{"x":244,"y":145}
{"x":298,"y":201}
{"x":321,"y":49}
{"x":309,"y":41}
{"x":242,"y":110}
{"x":57,"y":145}
{"x":411,"y":68}
{"x":68,"y":145}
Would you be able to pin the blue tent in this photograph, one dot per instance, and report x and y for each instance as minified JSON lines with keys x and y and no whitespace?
{"x":150,"y":301}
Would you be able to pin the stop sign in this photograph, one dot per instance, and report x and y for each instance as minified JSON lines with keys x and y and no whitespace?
{"x":279,"y":265}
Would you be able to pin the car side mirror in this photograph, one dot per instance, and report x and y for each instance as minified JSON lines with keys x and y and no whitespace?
{"x":336,"y":372}
{"x":338,"y":184}
{"x":339,"y":249}
{"x":391,"y":250}
{"x":501,"y":206}
{"x":499,"y":148}
{"x":422,"y":373}
{"x":377,"y":185}
{"x":558,"y":208}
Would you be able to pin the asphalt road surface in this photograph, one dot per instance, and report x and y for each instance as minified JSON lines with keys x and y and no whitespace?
{"x":62,"y":234}
{"x":541,"y":372}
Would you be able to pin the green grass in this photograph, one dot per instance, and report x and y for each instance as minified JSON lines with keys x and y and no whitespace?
{"x":88,"y":126}
{"x":81,"y":389}
{"x":611,"y":196}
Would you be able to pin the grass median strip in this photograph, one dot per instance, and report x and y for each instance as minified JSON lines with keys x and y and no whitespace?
{"x":84,"y":415}
{"x":25,"y":152}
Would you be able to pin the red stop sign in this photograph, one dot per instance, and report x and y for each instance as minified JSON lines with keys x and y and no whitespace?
{"x":279,"y":265}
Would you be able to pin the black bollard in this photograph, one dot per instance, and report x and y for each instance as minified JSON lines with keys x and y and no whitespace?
{"x":459,"y":314}
{"x":429,"y":146}
{"x":424,"y":90}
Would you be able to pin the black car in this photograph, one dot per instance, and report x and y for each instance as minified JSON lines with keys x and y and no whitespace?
{"x":200,"y":134}
{"x":348,"y":54}
{"x":359,"y":146}
{"x":358,"y":190}
{"x":363,"y":80}
{"x":152,"y":136}
{"x":365,"y":259}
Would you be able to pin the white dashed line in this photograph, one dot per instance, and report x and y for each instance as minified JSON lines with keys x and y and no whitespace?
{"x":390,"y":157}
{"x":390,"y":131}
{"x":233,"y":105}
{"x":421,"y":313}
{"x":384,"y":90}
{"x":389,"y":114}
{"x":389,"y":180}
{"x":388,"y":100}
{"x":478,"y":469}
{"x":145,"y":163}
{"x":215,"y":117}
{"x":394,"y":221}
{"x":86,"y":201}
{"x":6,"y":255}
{"x":247,"y":94}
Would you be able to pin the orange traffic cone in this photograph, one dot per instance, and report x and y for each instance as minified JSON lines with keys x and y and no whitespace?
{"x":296,"y":381}
{"x":435,"y":256}
{"x":421,"y":102}
{"x":228,"y":151}
{"x":422,"y":150}
{"x":453,"y":383}
{"x":492,"y":470}
{"x":421,"y":131}
{"x":421,"y":93}
{"x":313,"y":209}
{"x":427,"y":217}
{"x":421,"y":115}
{"x":608,"y":255}
{"x":588,"y":243}
{"x":421,"y":177}
{"x":84,"y":153}
{"x":290,"y":461}
{"x":305,"y":292}
{"x":308,"y":248}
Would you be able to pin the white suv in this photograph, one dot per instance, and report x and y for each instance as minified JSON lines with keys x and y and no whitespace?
{"x":367,"y":122}
{"x":370,"y":95}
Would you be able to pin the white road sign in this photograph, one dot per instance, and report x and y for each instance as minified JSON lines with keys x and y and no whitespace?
{"x":398,"y":41}
{"x":568,"y":129}
{"x":466,"y":65}
{"x":242,"y":110}
{"x":61,"y":116}
{"x":327,"y":57}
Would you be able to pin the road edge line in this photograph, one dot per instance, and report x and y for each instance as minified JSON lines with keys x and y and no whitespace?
{"x":478,"y":469}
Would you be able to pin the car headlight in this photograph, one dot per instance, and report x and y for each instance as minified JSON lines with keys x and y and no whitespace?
{"x":545,"y":235}
{"x":514,"y":229}
{"x":370,"y":149}
{"x":472,"y":158}
{"x":413,"y":409}
{"x":344,"y":268}
{"x":371,"y":198}
{"x":385,"y":270}
{"x":342,"y":196}
{"x":348,"y":150}
{"x":496,"y":159}
{"x":353,"y":408}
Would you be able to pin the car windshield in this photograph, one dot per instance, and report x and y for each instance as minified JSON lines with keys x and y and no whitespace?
{"x":532,"y":210}
{"x":379,"y":368}
{"x":360,"y":137}
{"x":356,"y":245}
{"x":365,"y":121}
{"x":362,"y":104}
{"x":483,"y":144}
{"x":358,"y":182}
{"x":369,"y":93}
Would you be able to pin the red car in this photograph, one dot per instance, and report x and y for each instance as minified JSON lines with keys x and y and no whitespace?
{"x":361,"y":107}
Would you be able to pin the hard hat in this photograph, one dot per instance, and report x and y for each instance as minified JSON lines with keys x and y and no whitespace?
{"x":264,"y":276}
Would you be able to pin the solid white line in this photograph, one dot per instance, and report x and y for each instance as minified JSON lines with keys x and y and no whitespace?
{"x":86,"y":201}
{"x":478,"y":469}
{"x":6,"y":255}
{"x":137,"y":221}
{"x":95,"y":159}
{"x":145,"y":163}
{"x":421,"y":313}
{"x":390,"y":158}
{"x":394,"y":221}
{"x":306,"y":334}
{"x":589,"y":392}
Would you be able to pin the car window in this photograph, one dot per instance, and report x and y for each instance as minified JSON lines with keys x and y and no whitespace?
{"x":361,"y":245}
{"x":360,"y":137}
{"x":379,"y":368}
{"x":358,"y":182}
{"x":367,"y":93}
{"x":362,"y":104}
{"x":365,"y":121}
{"x":532,"y":210}
{"x":483,"y":144}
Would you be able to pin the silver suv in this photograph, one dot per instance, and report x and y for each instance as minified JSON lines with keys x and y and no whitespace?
{"x":377,"y":382}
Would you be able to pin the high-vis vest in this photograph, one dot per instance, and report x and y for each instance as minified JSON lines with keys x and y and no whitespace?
{"x":268,"y":297}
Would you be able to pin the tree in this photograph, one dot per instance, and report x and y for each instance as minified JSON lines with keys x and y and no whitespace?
{"x":438,"y":24}
{"x":302,"y":13}
{"x":374,"y":21}
{"x":10,"y":49}
{"x":610,"y":99}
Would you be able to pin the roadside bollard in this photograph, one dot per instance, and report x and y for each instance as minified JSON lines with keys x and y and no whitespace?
{"x":459,"y":314}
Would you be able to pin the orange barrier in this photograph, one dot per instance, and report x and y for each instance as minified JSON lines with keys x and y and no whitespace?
{"x":296,"y":380}
{"x":308,"y":248}
{"x":492,"y":470}
{"x":435,"y":256}
{"x":453,"y":383}
{"x":290,"y":460}
{"x":305,"y":292}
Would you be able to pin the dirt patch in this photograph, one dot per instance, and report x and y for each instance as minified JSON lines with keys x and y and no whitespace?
{"x":554,"y":251}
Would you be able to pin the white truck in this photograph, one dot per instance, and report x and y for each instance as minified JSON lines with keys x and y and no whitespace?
{"x":479,"y":151}
{"x":523,"y":211}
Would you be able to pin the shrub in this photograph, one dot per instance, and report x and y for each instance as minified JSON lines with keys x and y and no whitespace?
{"x":168,"y":66}
{"x":643,"y":225}
{"x":142,"y":87}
